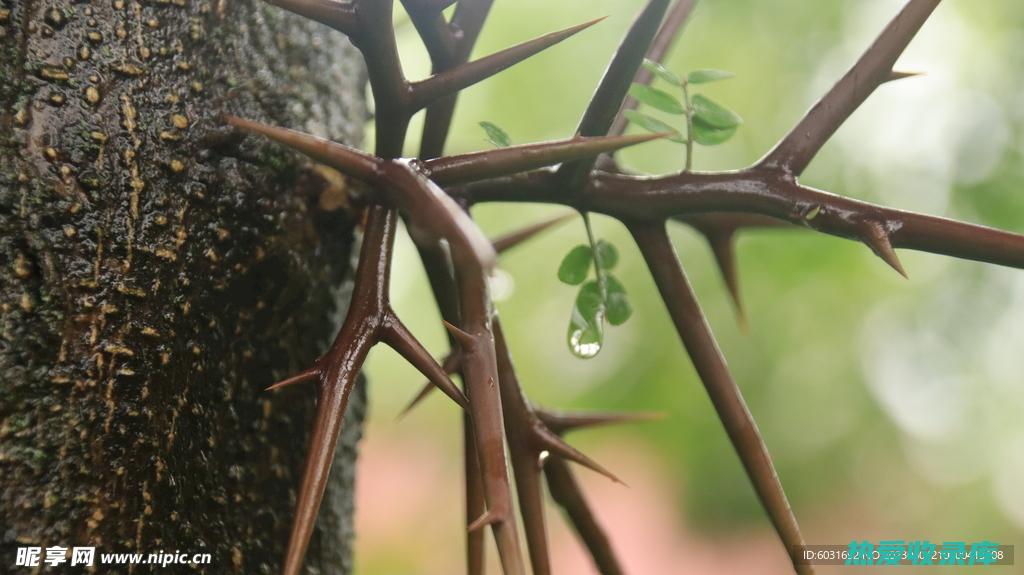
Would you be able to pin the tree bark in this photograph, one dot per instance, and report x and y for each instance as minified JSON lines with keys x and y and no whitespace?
{"x":159,"y":271}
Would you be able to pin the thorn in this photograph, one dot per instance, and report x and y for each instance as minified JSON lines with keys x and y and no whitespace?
{"x":456,"y":79}
{"x":896,"y":75}
{"x":561,"y":422}
{"x":401,"y":340}
{"x":499,"y":162}
{"x":349,"y":161}
{"x":513,"y":239}
{"x":450,"y":365}
{"x":302,"y":377}
{"x":559,"y":447}
{"x":488,"y":518}
{"x":877,"y":239}
{"x":723,"y":246}
{"x":466,"y":340}
{"x":427,"y":6}
{"x":425,"y":392}
{"x":338,"y":15}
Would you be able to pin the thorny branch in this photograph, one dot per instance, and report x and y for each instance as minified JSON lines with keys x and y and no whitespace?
{"x":434,"y":193}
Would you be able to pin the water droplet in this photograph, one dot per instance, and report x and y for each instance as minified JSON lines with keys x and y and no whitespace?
{"x":586,"y":337}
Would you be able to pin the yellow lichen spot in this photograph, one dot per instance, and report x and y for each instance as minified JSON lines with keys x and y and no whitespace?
{"x":99,"y":137}
{"x":150,"y":331}
{"x":153,"y":23}
{"x":223,"y":234}
{"x":166,"y":254}
{"x":186,"y":308}
{"x":184,"y":66}
{"x":172,"y":98}
{"x":117,"y":349}
{"x":177,"y":166}
{"x":21,"y":268}
{"x":70,"y":231}
{"x":26,"y":302}
{"x":211,"y":255}
{"x":5,"y":14}
{"x":161,"y":220}
{"x":145,"y":53}
{"x":129,"y":113}
{"x":94,"y":37}
{"x":56,"y":74}
{"x":130,"y":70}
{"x":92,"y":95}
{"x":84,"y":53}
{"x":49,"y":500}
{"x":180,"y":122}
{"x":51,"y":153}
{"x":74,"y":208}
{"x":57,"y":99}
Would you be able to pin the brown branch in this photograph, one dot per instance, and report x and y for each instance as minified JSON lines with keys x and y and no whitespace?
{"x":795,"y":151}
{"x":529,"y":441}
{"x":725,"y":395}
{"x":767,"y":192}
{"x":566,"y":491}
{"x":614,"y":85}
{"x":369,"y":320}
{"x":468,"y":20}
{"x":677,"y":16}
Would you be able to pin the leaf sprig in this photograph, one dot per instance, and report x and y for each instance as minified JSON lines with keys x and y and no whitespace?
{"x":600,"y":299}
{"x":708,"y":123}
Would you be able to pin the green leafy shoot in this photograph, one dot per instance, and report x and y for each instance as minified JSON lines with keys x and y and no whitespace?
{"x":575,"y":265}
{"x":659,"y":70}
{"x":657,"y":99}
{"x":708,"y":123}
{"x":495,"y":135}
{"x":714,"y":114}
{"x":707,"y":76}
{"x":598,"y":300}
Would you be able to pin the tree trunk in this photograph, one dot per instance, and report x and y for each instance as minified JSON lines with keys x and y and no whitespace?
{"x":158,"y":272}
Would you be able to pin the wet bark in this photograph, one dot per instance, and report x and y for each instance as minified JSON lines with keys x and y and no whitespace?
{"x":157,"y":272}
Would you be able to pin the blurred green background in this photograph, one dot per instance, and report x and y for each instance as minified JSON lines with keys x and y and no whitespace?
{"x":892,"y":407}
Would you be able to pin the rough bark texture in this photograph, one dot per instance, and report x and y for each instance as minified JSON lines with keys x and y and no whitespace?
{"x":158,"y":273}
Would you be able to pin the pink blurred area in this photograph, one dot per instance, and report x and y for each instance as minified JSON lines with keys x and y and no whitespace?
{"x":410,"y":517}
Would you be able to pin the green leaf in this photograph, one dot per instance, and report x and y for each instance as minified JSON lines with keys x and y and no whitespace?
{"x":657,"y":99}
{"x":495,"y":135}
{"x":707,"y":135}
{"x":654,"y":125}
{"x":575,"y":265}
{"x":618,"y":307}
{"x":662,"y":72}
{"x":607,"y":254}
{"x":714,"y":114}
{"x":708,"y":75}
{"x":589,"y":302}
